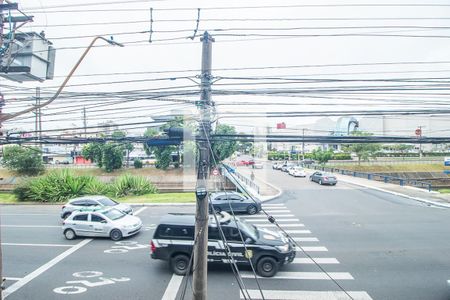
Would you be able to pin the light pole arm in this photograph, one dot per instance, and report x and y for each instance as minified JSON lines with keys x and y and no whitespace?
{"x":6,"y":117}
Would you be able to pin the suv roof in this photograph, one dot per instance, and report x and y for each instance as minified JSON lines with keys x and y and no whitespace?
{"x":226,"y":193}
{"x":189,"y":219}
{"x":89,"y":197}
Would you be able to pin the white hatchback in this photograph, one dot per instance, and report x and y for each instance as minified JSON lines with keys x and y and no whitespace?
{"x":297,"y":172}
{"x":106,"y":222}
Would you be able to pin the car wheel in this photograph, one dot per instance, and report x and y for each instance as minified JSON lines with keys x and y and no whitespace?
{"x":116,"y":235}
{"x":251,"y":210}
{"x":179,"y":264}
{"x":267,"y":267}
{"x":70,"y":234}
{"x":66,"y":215}
{"x":320,"y":181}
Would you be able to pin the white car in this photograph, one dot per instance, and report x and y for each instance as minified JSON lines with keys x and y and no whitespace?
{"x":91,"y":202}
{"x":297,"y":172}
{"x":101,"y":222}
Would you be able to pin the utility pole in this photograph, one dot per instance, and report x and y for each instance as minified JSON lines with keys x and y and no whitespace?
{"x":199,"y":288}
{"x":37,"y":122}
{"x":303,"y":144}
{"x":420,"y":142}
{"x":1,"y":113}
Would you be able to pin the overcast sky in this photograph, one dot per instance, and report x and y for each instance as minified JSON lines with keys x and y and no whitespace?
{"x":294,"y":37}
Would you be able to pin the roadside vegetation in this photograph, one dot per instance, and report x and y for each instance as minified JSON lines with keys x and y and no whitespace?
{"x":406,"y":167}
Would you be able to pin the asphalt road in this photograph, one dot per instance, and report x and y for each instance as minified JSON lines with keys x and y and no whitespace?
{"x":375,"y":246}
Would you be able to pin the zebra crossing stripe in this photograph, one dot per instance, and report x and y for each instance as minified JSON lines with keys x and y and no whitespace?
{"x":273,"y":215}
{"x":304,"y":275}
{"x":311,"y":249}
{"x":319,"y":260}
{"x":278,"y":220}
{"x":277,"y":210}
{"x":281,"y":225}
{"x":302,"y":295}
{"x":274,"y":204}
{"x":290,"y":231}
{"x":305,"y":239}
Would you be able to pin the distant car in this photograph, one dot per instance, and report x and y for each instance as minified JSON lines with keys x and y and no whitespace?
{"x":101,"y":222}
{"x":257,"y":165}
{"x":275,"y":165}
{"x":92,"y":201}
{"x":307,"y":161}
{"x":285,"y":167}
{"x":323,"y":178}
{"x":297,"y":172}
{"x":239,"y":203}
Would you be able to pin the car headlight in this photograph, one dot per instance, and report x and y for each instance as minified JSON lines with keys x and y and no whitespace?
{"x":283,"y":249}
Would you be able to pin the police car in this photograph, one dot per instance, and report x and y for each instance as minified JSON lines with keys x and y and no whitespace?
{"x":101,"y":222}
{"x":174,"y":238}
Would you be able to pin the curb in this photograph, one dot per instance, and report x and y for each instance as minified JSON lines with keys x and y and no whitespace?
{"x":399,"y":194}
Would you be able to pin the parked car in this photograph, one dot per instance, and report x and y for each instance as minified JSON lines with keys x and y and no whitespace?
{"x":267,"y":250}
{"x":101,"y":222}
{"x":275,"y":165}
{"x":285,"y":167}
{"x":323,"y":178}
{"x":257,"y":165}
{"x":239,"y":203}
{"x":93,"y":201}
{"x":297,"y":172}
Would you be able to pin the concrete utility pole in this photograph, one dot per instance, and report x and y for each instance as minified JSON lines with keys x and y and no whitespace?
{"x":201,"y":213}
{"x":303,"y":144}
{"x":84,"y":121}
{"x":38,"y":120}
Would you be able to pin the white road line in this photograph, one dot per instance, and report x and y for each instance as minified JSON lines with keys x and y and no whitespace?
{"x":274,"y":204}
{"x":273,"y":215}
{"x":319,"y":260}
{"x":29,"y":214}
{"x":311,"y":249}
{"x":31,"y":226}
{"x":12,"y":278}
{"x":277,"y":210}
{"x":305,"y":239}
{"x":281,"y":225}
{"x":36,"y":245}
{"x":310,"y":295}
{"x":304,"y":275}
{"x":23,"y":281}
{"x":291,"y":231}
{"x":140,"y":210}
{"x":278,"y":220}
{"x":172,"y":288}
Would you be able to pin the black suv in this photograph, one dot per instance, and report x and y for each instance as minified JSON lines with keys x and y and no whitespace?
{"x":174,"y":238}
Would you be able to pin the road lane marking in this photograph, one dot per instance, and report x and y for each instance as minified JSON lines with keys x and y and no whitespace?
{"x":140,"y":210}
{"x":277,"y":210}
{"x":31,"y":226}
{"x":278,"y":220}
{"x":36,"y":245}
{"x":281,"y":225}
{"x":311,"y":249}
{"x":319,"y":260}
{"x":274,"y":204}
{"x":18,"y":284}
{"x":290,"y":231}
{"x":273,"y":215}
{"x":173,"y":287}
{"x":310,"y":295}
{"x":12,"y":278}
{"x":305,"y":239}
{"x":304,"y":275}
{"x":29,"y":214}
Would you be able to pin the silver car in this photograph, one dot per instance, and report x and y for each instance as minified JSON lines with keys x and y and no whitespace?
{"x":103,"y":222}
{"x":93,"y":201}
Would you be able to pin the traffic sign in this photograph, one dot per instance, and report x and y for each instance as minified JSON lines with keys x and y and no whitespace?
{"x":418,"y":132}
{"x":215,"y":172}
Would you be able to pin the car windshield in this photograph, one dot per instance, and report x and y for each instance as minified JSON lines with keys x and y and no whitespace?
{"x":249,"y":229}
{"x":107,"y":202}
{"x":114,"y":214}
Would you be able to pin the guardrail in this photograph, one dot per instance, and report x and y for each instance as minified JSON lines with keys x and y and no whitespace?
{"x":247,"y":181}
{"x":375,"y":176}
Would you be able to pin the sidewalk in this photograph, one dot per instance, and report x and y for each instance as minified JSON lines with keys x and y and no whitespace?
{"x":267,"y":191}
{"x":422,"y":195}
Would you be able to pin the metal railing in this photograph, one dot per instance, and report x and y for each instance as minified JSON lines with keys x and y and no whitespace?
{"x":377,"y":177}
{"x":247,"y":181}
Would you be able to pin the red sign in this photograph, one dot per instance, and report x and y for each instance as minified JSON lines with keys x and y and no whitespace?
{"x":418,"y":132}
{"x":215,"y":172}
{"x":281,"y":125}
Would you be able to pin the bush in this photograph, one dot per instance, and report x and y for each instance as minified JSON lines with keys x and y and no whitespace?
{"x":96,"y":187}
{"x":132,"y":185}
{"x":22,"y":160}
{"x":137,"y":164}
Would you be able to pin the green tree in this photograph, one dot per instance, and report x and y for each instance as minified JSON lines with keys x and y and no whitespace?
{"x":93,"y":152}
{"x":223,"y":149}
{"x":322,"y":156}
{"x":107,"y":155}
{"x":163,"y":154}
{"x":364,"y":151}
{"x":126,"y":146}
{"x":24,"y":161}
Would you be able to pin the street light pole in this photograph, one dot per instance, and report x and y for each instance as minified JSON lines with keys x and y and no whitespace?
{"x":5,"y":117}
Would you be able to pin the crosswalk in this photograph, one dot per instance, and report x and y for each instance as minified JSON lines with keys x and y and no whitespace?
{"x":317,"y":255}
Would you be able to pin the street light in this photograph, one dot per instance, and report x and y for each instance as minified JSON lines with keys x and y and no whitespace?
{"x":5,"y":117}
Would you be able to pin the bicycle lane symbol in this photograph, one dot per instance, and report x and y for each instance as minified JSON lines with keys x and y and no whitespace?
{"x":75,"y":286}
